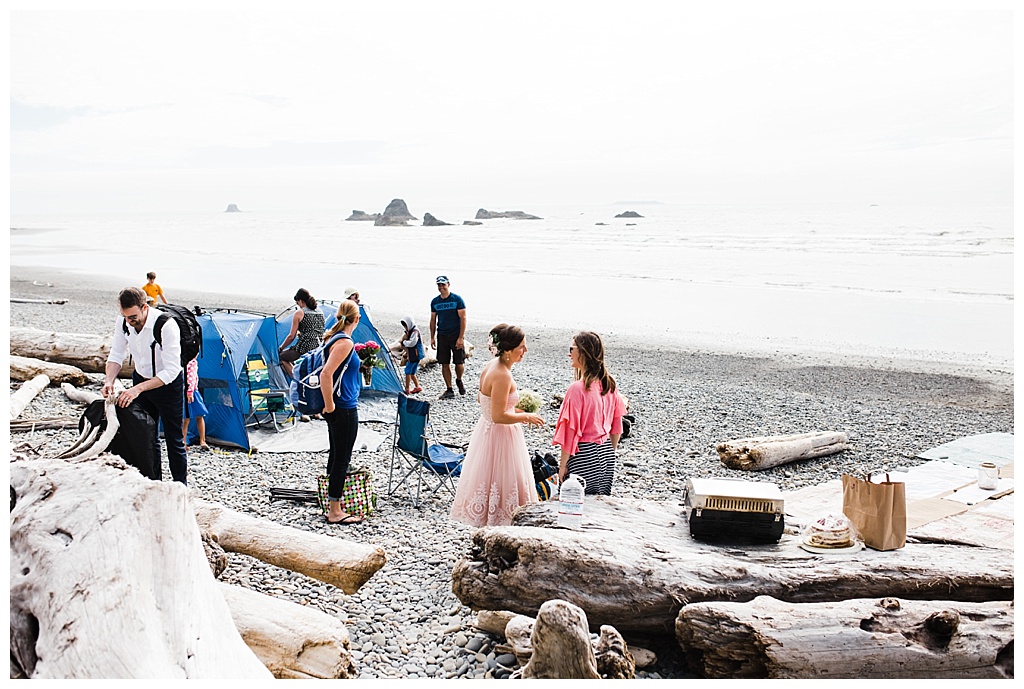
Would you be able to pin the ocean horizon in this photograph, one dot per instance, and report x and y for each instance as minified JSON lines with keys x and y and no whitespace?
{"x":929,"y":283}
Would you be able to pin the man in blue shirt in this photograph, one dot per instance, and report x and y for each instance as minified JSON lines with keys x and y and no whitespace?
{"x":447,"y":330}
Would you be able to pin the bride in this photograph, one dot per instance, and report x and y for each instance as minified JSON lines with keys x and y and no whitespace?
{"x":496,"y":475}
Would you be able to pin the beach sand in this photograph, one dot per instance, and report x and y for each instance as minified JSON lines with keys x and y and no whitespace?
{"x":406,"y":622}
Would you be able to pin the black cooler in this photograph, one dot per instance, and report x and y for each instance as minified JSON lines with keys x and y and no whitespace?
{"x":726,"y":510}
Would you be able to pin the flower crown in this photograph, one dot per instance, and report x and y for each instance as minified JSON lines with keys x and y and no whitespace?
{"x":494,"y":344}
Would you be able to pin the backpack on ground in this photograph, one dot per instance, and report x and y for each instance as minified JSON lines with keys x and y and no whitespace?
{"x":304,"y":391}
{"x":189,"y":328}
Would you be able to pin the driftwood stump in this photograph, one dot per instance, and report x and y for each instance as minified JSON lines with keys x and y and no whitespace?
{"x":561,"y":644}
{"x":755,"y":454}
{"x":642,"y":566}
{"x":863,"y":639}
{"x":86,"y":352}
{"x":109,"y":578}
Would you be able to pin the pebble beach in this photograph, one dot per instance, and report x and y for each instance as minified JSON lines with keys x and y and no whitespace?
{"x":406,"y":622}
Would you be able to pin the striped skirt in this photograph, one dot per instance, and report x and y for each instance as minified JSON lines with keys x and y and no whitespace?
{"x":595,"y":462}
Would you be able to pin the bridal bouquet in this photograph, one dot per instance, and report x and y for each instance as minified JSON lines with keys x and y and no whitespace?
{"x":529,"y":401}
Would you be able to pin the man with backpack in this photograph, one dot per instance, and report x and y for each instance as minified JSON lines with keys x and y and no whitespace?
{"x":154,"y":340}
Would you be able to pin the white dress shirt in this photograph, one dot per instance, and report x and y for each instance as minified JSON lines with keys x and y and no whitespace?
{"x":168,"y":355}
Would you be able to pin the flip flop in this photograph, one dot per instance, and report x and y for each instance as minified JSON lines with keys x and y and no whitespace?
{"x":346,"y":520}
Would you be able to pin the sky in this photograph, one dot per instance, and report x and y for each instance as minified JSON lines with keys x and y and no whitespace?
{"x":530,"y":103}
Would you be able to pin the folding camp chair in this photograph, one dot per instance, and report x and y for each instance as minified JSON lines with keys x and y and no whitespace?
{"x":266,"y":404}
{"x":414,"y":452}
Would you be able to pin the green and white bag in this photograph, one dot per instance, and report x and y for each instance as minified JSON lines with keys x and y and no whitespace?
{"x":357,"y":497}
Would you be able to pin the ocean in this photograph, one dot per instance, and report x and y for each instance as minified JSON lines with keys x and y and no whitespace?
{"x":874,"y":280}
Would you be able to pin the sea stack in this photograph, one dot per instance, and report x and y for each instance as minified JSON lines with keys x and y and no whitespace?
{"x":360,"y":215}
{"x":232,"y":208}
{"x":397,"y":213}
{"x":629,"y":214}
{"x":484,"y":214}
{"x":431,"y":221}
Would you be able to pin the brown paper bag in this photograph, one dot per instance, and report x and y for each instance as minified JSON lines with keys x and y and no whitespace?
{"x":878,"y":510}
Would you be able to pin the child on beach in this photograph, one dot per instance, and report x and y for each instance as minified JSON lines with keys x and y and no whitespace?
{"x":413,"y":344}
{"x":195,"y":408}
{"x":153,"y":290}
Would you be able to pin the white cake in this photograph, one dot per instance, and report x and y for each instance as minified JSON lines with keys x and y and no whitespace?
{"x":830,"y":532}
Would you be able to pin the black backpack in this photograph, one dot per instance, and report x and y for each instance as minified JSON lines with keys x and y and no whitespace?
{"x":189,"y":328}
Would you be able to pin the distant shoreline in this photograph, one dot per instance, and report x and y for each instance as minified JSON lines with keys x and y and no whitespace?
{"x":95,"y":289}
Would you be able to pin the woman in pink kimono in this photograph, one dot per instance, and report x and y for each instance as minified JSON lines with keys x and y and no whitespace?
{"x":496,"y":475}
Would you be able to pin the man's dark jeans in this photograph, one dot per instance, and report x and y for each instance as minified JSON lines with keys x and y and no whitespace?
{"x":167,"y":403}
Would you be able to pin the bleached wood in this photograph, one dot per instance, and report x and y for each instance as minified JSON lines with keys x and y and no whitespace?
{"x":336,"y":561}
{"x":19,"y":300}
{"x":860,"y":638}
{"x":518,"y":633}
{"x":24,"y":395}
{"x":493,"y":621}
{"x":81,"y":396}
{"x":561,"y":644}
{"x":49,"y":422}
{"x":293,"y":641}
{"x":92,"y":441}
{"x":756,"y":454}
{"x":109,"y":579}
{"x":642,"y":566}
{"x":26,"y":368}
{"x":87,"y":352}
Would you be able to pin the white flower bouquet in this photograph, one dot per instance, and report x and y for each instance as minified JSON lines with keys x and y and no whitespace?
{"x":529,"y":401}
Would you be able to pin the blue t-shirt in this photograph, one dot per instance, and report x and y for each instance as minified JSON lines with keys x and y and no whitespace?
{"x":347,"y":396}
{"x":447,"y":311}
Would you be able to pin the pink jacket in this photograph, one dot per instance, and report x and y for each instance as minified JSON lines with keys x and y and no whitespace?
{"x":588,"y":416}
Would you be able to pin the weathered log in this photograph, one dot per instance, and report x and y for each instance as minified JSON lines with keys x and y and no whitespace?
{"x":293,"y":641}
{"x":26,"y":393}
{"x":862,"y":638}
{"x":87,"y":352}
{"x":49,"y":422}
{"x":109,"y":580}
{"x":755,"y":454}
{"x":24,"y":368}
{"x":561,"y":644}
{"x":19,"y":300}
{"x":493,"y":621}
{"x":642,"y":566}
{"x":82,"y":396}
{"x":336,"y":561}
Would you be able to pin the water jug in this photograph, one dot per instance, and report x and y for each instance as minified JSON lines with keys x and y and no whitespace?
{"x":570,"y":501}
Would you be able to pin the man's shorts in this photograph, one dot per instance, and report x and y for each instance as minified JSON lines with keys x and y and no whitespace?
{"x":446,"y":352}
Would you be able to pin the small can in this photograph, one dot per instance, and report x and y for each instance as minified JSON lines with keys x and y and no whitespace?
{"x":988,"y":476}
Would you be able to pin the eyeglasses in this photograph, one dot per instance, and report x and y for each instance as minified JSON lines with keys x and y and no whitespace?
{"x":134,"y":317}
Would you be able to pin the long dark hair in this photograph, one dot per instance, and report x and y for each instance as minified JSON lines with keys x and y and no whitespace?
{"x":591,"y":351}
{"x":304,"y":295}
{"x":506,"y":337}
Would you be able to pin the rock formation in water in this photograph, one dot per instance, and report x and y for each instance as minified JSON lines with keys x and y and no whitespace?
{"x":483,"y":214}
{"x":360,"y":215}
{"x":471,"y":222}
{"x":431,"y":221}
{"x":232,"y":208}
{"x":629,"y":214}
{"x":397,"y":213}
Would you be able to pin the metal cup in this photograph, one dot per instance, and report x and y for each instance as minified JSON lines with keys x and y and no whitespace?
{"x":988,"y":476}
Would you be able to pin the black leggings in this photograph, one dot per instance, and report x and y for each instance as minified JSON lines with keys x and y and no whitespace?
{"x":342,"y":428}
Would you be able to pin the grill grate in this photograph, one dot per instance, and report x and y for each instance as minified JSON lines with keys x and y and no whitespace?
{"x":713,"y":502}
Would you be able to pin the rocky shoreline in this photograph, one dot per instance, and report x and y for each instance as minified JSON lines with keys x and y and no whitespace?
{"x":405,"y":622}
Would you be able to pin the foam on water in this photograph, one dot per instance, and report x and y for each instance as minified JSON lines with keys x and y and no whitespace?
{"x":920,"y":282}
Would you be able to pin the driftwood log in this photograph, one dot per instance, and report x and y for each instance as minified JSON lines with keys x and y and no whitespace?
{"x":863,"y":639}
{"x":25,"y":368}
{"x":642,"y":566}
{"x":293,"y":641}
{"x":24,"y":395}
{"x":82,"y":396}
{"x":109,"y":579}
{"x":755,"y":454}
{"x":87,"y":352}
{"x":20,"y":300}
{"x":45,"y":423}
{"x":345,"y":564}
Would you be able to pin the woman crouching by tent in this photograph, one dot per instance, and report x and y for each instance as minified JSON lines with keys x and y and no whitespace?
{"x":340,"y":383}
{"x":308,"y":325}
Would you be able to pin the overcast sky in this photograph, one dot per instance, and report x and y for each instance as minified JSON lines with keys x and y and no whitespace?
{"x":191,"y":110}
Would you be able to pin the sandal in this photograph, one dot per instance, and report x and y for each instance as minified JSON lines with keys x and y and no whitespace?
{"x":416,"y":390}
{"x":347,"y":519}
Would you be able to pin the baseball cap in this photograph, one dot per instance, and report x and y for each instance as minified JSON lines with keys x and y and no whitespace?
{"x":349,"y":291}
{"x":442,"y":279}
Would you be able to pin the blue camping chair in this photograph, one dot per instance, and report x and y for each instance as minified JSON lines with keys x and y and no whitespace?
{"x":434,"y":464}
{"x":266,"y":404}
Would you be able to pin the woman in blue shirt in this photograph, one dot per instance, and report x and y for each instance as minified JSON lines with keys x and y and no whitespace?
{"x":342,"y":365}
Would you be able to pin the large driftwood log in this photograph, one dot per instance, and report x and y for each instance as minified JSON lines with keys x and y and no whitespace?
{"x":642,"y":566}
{"x":25,"y":368}
{"x":862,"y":639}
{"x":19,"y":300}
{"x":293,"y":641}
{"x":26,"y":393}
{"x":49,"y":422}
{"x":87,"y":352}
{"x":109,"y":579}
{"x":755,"y":454}
{"x":345,"y":564}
